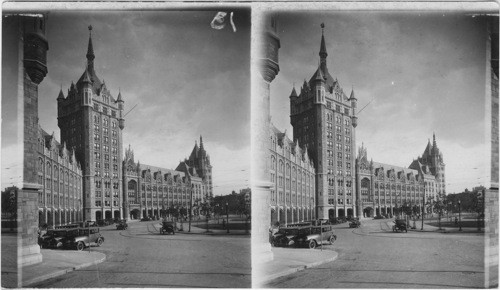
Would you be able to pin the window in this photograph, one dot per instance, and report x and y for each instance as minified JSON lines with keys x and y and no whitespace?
{"x":98,"y":203}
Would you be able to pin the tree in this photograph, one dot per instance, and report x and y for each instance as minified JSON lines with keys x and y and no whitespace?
{"x":439,"y":204}
{"x":9,"y":202}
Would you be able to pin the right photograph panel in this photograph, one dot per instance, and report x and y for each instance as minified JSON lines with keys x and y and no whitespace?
{"x":373,"y":139}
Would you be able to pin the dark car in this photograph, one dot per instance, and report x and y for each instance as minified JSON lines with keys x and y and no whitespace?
{"x":167,"y":228}
{"x":145,"y":219}
{"x":354,"y":223}
{"x":284,"y":236}
{"x":55,"y":239}
{"x":85,"y":238}
{"x":399,"y":225}
{"x":313,"y":236}
{"x":122,"y":225}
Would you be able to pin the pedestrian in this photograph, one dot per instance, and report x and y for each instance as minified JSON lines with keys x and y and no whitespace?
{"x":456,"y":220}
{"x":224,"y":224}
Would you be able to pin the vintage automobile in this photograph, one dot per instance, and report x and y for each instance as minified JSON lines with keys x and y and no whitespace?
{"x":54,"y":239}
{"x":85,"y":238}
{"x":122,"y":225}
{"x":313,"y":236}
{"x":354,"y":223}
{"x":167,"y":228}
{"x":146,"y":219}
{"x":399,"y":225}
{"x":284,"y":236}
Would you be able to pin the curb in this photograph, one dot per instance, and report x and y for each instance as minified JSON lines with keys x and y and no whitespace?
{"x":269,"y":278}
{"x":61,"y":272}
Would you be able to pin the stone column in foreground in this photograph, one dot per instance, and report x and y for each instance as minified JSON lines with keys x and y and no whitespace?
{"x":265,"y":67}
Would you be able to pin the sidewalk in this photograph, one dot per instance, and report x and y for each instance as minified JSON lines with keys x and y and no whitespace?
{"x":287,"y":261}
{"x":59,"y":262}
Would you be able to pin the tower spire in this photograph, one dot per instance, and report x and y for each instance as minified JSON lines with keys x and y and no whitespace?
{"x":90,"y":51}
{"x":322,"y":51}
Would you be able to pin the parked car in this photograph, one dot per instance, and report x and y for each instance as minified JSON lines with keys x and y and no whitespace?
{"x":313,"y":236}
{"x":167,"y":227}
{"x":55,"y":239}
{"x":122,"y":225}
{"x":145,"y":219}
{"x":284,"y":236}
{"x":85,"y":238}
{"x":354,"y":223}
{"x":399,"y":225}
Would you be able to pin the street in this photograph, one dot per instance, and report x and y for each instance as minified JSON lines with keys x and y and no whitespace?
{"x":141,"y":257}
{"x":375,"y":257}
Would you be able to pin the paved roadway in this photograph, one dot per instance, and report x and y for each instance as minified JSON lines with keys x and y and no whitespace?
{"x":374,"y":257}
{"x":141,"y":257}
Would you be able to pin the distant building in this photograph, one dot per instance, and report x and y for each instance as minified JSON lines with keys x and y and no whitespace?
{"x":152,"y":191}
{"x":384,"y":189}
{"x":431,"y":163}
{"x":292,"y":176}
{"x":60,"y":198}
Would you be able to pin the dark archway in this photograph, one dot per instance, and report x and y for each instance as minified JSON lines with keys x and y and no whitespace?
{"x":368,"y":212}
{"x":41,"y":218}
{"x":350,"y":212}
{"x":282,"y":216}
{"x":134,"y":214}
{"x":341,"y":212}
{"x":331,"y":214}
{"x":274,"y":216}
{"x":116,"y":214}
{"x":98,"y":215}
{"x":108,"y":214}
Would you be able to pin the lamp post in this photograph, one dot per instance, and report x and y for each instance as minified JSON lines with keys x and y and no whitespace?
{"x":459,"y":217}
{"x":423,"y":210}
{"x":227,"y":217}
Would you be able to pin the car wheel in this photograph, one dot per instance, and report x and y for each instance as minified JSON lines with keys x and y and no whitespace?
{"x":99,"y":242}
{"x":332,"y":239}
{"x":80,"y":246}
{"x":312,"y":244}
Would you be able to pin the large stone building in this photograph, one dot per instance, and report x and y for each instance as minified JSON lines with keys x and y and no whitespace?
{"x":431,"y":163}
{"x":60,"y":198}
{"x":91,"y":122}
{"x":324,"y":119}
{"x":383,"y":189}
{"x":292,"y":175}
{"x":153,"y":191}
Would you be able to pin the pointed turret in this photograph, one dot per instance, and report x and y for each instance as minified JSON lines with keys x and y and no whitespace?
{"x":201,"y":142}
{"x":293,"y":94}
{"x":121,"y":120}
{"x":90,"y":49}
{"x":322,"y":51}
{"x":61,"y":96}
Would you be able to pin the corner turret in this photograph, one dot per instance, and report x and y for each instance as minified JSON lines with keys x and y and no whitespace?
{"x":121,"y":120}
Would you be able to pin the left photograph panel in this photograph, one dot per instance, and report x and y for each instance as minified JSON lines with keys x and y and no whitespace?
{"x":126,"y":149}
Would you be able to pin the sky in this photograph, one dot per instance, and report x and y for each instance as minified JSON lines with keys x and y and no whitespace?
{"x":416,"y":73}
{"x":184,"y":78}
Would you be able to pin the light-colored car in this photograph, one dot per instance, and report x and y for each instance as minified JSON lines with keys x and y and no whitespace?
{"x":85,"y":238}
{"x":313,"y":236}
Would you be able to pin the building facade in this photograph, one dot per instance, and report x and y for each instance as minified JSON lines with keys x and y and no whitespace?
{"x":151,"y":191}
{"x":292,"y":176}
{"x":60,"y":199}
{"x":324,"y":119}
{"x":90,"y":120}
{"x":384,"y":189}
{"x":431,"y":163}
